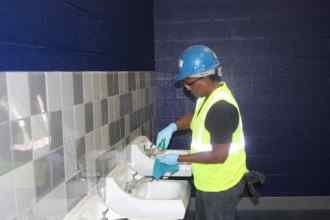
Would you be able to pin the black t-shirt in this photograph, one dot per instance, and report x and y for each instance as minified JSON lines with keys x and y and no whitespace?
{"x":221,"y":121}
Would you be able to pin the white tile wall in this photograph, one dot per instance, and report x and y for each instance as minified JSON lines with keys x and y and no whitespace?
{"x":96,"y":86}
{"x":18,"y":188}
{"x":97,"y":114}
{"x":88,"y":86}
{"x":18,"y":99}
{"x":105,"y":137}
{"x":40,"y":135}
{"x":79,"y":121}
{"x":52,"y":90}
{"x":56,"y":199}
{"x":24,"y":188}
{"x":7,"y":196}
{"x":104,"y":85}
{"x":66,"y":89}
{"x":68,"y":123}
{"x":70,"y":159}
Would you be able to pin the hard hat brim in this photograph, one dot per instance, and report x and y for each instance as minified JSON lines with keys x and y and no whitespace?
{"x":182,"y":76}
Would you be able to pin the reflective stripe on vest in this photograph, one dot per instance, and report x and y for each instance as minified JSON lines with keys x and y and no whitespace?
{"x":200,"y":147}
{"x":217,"y":177}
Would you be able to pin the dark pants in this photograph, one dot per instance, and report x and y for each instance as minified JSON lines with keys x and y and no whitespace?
{"x":218,"y":205}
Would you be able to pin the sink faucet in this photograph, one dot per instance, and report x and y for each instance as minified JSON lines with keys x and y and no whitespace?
{"x":130,"y":185}
{"x":104,"y":214}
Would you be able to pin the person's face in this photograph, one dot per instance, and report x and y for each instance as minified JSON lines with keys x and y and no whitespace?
{"x":194,"y":85}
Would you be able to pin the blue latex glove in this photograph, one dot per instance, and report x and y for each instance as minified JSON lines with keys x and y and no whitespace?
{"x":160,"y":169}
{"x":165,"y":135}
{"x":169,"y":159}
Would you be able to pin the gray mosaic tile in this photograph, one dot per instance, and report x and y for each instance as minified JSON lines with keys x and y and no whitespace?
{"x":105,"y":163}
{"x":109,"y":80}
{"x":81,"y":154}
{"x":7,"y":197}
{"x":4,"y":113}
{"x":24,"y":188}
{"x":122,"y":128}
{"x":98,"y":138}
{"x":88,"y":86}
{"x":96,"y":86}
{"x":57,"y":161}
{"x":132,"y":122}
{"x":104,"y":85}
{"x":18,"y":99}
{"x":91,"y":176}
{"x":104,"y":137}
{"x":76,"y":189}
{"x":5,"y":154}
{"x":97,"y":114}
{"x":79,"y":122}
{"x":77,"y":88}
{"x":66,"y":88}
{"x":125,"y":104}
{"x":89,"y":117}
{"x":49,"y":172}
{"x":37,"y":85}
{"x":127,"y":125}
{"x":40,"y":135}
{"x":55,"y":129}
{"x":68,"y":123}
{"x":115,"y":83}
{"x":51,"y":207}
{"x":147,"y":96}
{"x":104,"y":110}
{"x":53,"y":87}
{"x":21,"y":141}
{"x":114,"y":132}
{"x":137,"y":80}
{"x":123,"y":82}
{"x":131,"y":81}
{"x":114,"y":108}
{"x":70,"y":159}
{"x":42,"y":176}
{"x":113,"y":87}
{"x":142,"y":80}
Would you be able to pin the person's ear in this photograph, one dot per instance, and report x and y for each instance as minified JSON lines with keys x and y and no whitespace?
{"x":220,"y":71}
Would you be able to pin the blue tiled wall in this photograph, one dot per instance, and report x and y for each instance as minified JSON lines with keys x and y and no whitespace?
{"x":276,"y":63}
{"x":76,"y":35}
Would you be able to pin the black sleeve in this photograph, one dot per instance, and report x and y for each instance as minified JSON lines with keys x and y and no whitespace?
{"x":221,"y":121}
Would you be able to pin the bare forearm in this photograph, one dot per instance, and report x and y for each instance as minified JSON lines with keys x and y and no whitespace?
{"x":184,"y":122}
{"x":203,"y":157}
{"x":218,"y":154}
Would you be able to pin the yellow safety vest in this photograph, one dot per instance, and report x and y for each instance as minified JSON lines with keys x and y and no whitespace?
{"x":217,"y":177}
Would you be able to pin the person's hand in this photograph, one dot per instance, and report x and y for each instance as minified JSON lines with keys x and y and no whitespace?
{"x":165,"y":135}
{"x":169,"y":159}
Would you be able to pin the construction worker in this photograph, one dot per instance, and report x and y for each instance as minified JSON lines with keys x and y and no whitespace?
{"x":217,"y":155}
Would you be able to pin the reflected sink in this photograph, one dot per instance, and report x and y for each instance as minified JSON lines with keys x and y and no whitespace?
{"x":163,"y":199}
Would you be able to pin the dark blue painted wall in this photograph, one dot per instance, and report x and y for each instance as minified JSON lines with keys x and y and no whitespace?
{"x":76,"y":35}
{"x":277,"y":63}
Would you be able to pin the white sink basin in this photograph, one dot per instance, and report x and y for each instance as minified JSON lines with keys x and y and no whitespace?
{"x":164,"y":199}
{"x":161,"y":190}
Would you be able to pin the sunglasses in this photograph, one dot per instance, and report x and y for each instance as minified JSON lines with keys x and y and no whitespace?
{"x":192,"y":82}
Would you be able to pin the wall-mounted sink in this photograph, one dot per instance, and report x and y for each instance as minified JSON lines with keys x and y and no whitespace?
{"x":146,"y":198}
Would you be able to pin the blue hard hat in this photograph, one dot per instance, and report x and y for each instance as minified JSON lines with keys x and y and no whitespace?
{"x":195,"y":60}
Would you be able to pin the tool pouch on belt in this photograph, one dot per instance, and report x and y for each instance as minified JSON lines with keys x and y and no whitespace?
{"x":253,"y":178}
